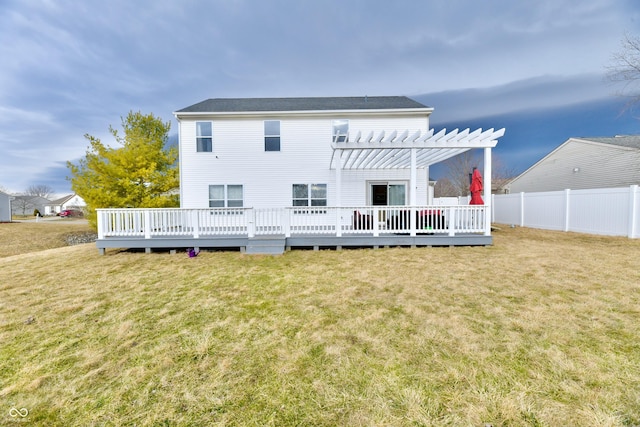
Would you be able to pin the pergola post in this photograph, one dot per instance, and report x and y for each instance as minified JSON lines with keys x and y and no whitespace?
{"x":413,"y":194}
{"x":339,"y":193}
{"x":487,"y":191}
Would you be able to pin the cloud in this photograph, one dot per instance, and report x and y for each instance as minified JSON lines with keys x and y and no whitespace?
{"x":531,"y":94}
{"x":72,"y":68}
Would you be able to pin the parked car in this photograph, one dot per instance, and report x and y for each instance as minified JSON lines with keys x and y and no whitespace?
{"x":70,"y":213}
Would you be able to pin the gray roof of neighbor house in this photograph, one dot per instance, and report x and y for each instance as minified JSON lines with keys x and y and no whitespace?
{"x":62,"y":200}
{"x":631,"y":141}
{"x":231,"y":105}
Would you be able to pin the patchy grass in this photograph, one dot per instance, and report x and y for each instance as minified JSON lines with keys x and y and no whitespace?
{"x":540,"y":329}
{"x":23,"y":237}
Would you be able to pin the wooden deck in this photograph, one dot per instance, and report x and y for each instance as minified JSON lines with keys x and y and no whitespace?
{"x":272,"y":231}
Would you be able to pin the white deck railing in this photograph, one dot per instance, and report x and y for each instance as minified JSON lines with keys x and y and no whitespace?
{"x":331,"y":221}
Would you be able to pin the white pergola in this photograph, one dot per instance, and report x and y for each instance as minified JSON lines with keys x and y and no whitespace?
{"x":411,"y":150}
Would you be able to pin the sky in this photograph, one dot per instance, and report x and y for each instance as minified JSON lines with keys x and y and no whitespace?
{"x":71,"y":68}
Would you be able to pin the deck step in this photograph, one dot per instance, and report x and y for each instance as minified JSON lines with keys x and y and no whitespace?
{"x":267,"y":245}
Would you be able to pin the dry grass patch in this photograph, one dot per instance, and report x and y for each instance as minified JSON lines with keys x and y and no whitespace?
{"x":23,"y":237}
{"x":539,"y":329}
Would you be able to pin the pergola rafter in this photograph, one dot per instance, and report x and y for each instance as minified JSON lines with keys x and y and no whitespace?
{"x":391,"y":151}
{"x":410,"y":149}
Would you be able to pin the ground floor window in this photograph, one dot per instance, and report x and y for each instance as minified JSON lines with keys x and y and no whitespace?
{"x":309,"y":194}
{"x":226,"y":196}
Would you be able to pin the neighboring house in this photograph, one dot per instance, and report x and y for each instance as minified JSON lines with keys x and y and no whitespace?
{"x":72,"y":201}
{"x":300,"y":172}
{"x":5,"y":207}
{"x":583,"y":163}
{"x":26,"y":205}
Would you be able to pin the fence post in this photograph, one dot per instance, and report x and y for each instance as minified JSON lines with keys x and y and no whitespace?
{"x":567,"y":207}
{"x":522,"y":209}
{"x":633,"y":211}
{"x":493,"y":208}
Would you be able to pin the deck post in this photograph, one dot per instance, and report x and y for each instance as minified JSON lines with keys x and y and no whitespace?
{"x":452,"y":221}
{"x":147,"y":224}
{"x":251,"y":222}
{"x":376,"y":221}
{"x":413,"y":218}
{"x":101,"y":222}
{"x":286,"y":221}
{"x":339,"y":222}
{"x":195,"y":220}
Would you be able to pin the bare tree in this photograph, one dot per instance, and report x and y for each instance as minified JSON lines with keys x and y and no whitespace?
{"x":459,"y":170}
{"x":41,"y":190}
{"x":624,"y":69}
{"x":501,"y":175}
{"x":444,"y":188}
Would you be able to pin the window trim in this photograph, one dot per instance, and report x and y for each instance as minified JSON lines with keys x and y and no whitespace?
{"x":310,"y":199}
{"x":200,"y":138}
{"x":335,"y":135}
{"x":272,"y":136}
{"x":225,"y":194}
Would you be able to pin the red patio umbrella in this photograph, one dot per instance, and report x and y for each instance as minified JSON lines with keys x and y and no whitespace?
{"x":476,"y":188}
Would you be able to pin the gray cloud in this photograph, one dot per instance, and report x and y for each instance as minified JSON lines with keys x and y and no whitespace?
{"x":75,"y":67}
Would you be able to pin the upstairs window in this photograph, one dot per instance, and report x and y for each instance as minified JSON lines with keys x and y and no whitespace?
{"x":272,"y":135}
{"x":309,"y":194}
{"x":204,"y":137}
{"x":226,"y":196}
{"x":340,"y":130}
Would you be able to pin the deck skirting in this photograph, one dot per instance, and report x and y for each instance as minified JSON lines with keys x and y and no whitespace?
{"x":294,"y":242}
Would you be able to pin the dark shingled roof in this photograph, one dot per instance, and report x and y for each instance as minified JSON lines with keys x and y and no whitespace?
{"x":246,"y":105}
{"x":631,"y":141}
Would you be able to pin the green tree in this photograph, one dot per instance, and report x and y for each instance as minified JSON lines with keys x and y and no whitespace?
{"x":141,"y":173}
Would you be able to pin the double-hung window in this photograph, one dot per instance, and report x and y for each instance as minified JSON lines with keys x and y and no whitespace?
{"x":340,"y":130}
{"x":272,"y":135}
{"x":204,"y":137}
{"x":226,"y":196}
{"x":309,"y":194}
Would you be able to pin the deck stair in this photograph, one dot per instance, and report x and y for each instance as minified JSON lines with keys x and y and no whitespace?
{"x":267,"y":245}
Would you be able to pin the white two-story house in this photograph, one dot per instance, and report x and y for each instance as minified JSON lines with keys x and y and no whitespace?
{"x":275,"y":153}
{"x":330,"y":171}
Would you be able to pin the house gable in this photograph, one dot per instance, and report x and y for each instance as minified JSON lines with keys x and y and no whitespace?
{"x":581,"y":163}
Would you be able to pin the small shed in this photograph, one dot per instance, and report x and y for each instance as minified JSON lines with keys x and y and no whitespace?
{"x":5,"y":207}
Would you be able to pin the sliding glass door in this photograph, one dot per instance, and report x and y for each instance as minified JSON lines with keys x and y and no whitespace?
{"x":388,"y":193}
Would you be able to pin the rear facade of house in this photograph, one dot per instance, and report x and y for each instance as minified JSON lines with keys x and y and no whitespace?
{"x":274,"y":153}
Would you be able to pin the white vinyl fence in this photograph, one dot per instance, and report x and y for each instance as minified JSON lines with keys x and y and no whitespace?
{"x":606,"y":211}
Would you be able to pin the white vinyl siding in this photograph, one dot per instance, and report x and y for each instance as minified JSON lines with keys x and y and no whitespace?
{"x":267,"y":179}
{"x":579,"y":164}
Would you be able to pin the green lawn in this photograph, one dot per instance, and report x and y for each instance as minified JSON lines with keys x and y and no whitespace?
{"x":541,"y":329}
